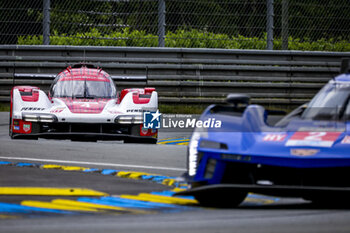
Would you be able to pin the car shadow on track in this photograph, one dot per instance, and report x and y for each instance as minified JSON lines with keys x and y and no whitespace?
{"x":299,"y":206}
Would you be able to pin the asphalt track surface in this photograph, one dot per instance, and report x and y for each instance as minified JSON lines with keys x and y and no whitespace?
{"x":280,"y":215}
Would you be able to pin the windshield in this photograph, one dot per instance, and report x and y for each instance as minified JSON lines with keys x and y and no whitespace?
{"x":84,"y":89}
{"x":331,"y":103}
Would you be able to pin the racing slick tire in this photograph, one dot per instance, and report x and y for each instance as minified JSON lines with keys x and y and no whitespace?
{"x":10,"y":128}
{"x":135,"y":131}
{"x":221,"y":200}
{"x":11,"y":134}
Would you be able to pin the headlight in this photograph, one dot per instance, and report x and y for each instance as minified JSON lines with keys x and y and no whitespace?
{"x":129,"y":120}
{"x":46,"y":118}
{"x":30,"y":117}
{"x":193,"y":150}
{"x":39,"y":117}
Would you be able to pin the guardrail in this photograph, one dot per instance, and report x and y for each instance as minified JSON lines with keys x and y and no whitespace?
{"x":184,"y":76}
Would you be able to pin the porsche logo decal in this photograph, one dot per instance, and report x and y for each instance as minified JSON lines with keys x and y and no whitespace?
{"x":304,"y":152}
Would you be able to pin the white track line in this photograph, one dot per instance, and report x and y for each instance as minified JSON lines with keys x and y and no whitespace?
{"x":93,"y":163}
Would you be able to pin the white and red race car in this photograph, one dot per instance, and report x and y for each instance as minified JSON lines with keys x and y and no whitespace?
{"x":82,"y":104}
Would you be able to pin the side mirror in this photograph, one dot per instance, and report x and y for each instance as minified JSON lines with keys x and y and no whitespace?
{"x":236,"y":99}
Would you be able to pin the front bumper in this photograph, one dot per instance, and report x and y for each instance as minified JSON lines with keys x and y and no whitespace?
{"x":86,"y":131}
{"x":85,"y":135}
{"x":261,"y":177}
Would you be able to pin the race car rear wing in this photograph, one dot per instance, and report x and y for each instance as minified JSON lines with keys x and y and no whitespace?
{"x":52,"y":76}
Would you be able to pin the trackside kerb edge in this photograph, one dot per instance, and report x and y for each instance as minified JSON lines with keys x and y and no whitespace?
{"x":143,"y":203}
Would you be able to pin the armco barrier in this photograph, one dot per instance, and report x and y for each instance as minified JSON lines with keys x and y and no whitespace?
{"x":184,"y":76}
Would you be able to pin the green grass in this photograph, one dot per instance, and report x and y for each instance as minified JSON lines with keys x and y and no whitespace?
{"x":4,"y":107}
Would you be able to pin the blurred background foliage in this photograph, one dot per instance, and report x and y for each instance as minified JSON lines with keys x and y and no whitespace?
{"x":231,"y":24}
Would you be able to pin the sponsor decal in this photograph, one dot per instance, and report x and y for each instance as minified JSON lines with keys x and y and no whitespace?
{"x":274,"y":137}
{"x":148,"y":132}
{"x":57,"y":110}
{"x":144,"y":131}
{"x":304,"y":152}
{"x":32,"y":109}
{"x":151,"y":120}
{"x":15,"y":127}
{"x":114,"y":112}
{"x":26,"y":127}
{"x":134,"y":110}
{"x":318,"y":139}
{"x":346,"y":140}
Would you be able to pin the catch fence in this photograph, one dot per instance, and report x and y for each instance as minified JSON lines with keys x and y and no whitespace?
{"x":229,"y":24}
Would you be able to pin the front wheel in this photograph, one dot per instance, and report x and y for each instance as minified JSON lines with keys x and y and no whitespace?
{"x":11,"y":134}
{"x":144,"y":136}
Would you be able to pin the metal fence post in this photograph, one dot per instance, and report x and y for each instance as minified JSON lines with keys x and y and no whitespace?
{"x":161,"y":23}
{"x":46,"y":22}
{"x":285,"y":32}
{"x":269,"y":24}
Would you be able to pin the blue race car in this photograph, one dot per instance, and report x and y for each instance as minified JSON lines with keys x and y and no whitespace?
{"x":306,"y":154}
